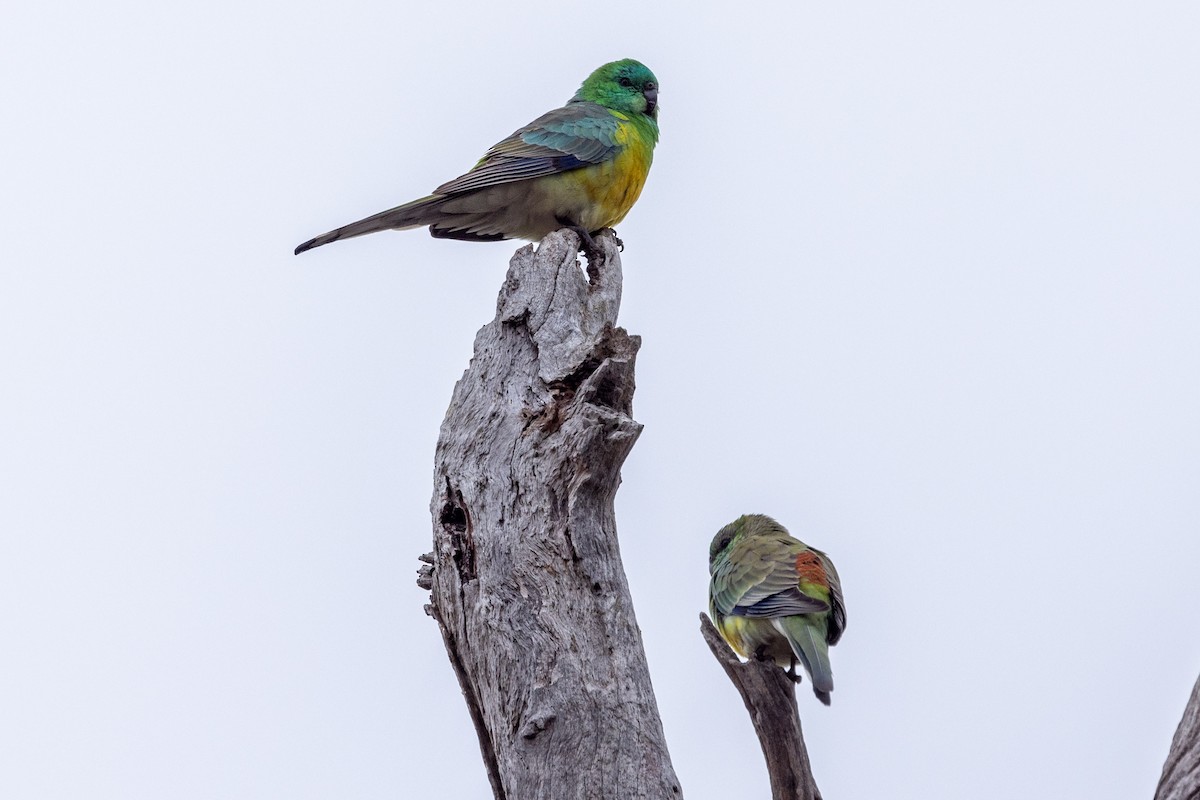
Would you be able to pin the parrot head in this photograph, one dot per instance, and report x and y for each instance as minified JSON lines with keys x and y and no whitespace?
{"x":626,"y":85}
{"x":724,"y":540}
{"x":741,"y":528}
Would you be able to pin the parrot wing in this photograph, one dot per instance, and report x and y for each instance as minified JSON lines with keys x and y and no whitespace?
{"x":574,"y":136}
{"x":837,"y":617}
{"x":761,"y":583}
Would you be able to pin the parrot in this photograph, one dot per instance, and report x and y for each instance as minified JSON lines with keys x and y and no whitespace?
{"x":773,"y":597}
{"x":580,"y":167}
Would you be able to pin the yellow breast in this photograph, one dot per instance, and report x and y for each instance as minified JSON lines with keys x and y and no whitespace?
{"x":614,"y":186}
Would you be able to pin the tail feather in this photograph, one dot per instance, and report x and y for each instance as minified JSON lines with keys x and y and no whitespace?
{"x":410,"y":215}
{"x":808,"y":643}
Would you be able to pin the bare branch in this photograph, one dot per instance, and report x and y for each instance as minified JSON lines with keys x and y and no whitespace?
{"x":770,"y":697}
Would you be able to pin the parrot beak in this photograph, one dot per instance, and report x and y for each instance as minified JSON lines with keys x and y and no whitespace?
{"x":651,"y":95}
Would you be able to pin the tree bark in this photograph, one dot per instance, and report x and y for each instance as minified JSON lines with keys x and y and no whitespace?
{"x":770,"y":697}
{"x":1181,"y":774}
{"x":527,"y":582}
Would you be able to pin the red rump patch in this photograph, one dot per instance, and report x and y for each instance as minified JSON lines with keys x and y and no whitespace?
{"x":809,"y":569}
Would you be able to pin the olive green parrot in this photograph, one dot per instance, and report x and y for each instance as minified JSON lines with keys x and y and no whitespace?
{"x":774,"y":597}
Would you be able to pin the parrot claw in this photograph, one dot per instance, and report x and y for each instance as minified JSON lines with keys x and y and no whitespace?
{"x":617,"y":239}
{"x":761,"y":655}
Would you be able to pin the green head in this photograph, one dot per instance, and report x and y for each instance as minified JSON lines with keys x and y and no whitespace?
{"x":741,"y":528}
{"x":625,"y":85}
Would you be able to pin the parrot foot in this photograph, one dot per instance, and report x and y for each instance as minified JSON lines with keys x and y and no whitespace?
{"x":794,"y":676}
{"x":587,"y":245}
{"x":617,"y":239}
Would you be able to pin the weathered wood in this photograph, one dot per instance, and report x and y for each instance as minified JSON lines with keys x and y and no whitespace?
{"x":528,"y":588}
{"x":1181,"y":774}
{"x":770,"y":697}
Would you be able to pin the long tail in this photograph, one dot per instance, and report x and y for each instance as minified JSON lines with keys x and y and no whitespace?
{"x":808,"y":643}
{"x":410,"y":215}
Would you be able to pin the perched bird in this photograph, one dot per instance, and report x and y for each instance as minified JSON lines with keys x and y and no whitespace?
{"x":774,"y":597}
{"x":581,"y":167}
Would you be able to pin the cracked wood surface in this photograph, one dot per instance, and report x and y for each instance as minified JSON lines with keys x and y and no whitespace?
{"x":527,"y":583}
{"x":1180,"y":778}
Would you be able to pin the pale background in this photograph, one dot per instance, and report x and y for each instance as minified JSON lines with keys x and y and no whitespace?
{"x":919,"y":279}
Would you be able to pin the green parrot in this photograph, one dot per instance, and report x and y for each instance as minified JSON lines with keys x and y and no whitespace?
{"x":774,"y":597}
{"x":581,"y":167}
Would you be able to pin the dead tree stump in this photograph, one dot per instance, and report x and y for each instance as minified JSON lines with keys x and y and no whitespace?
{"x":526,"y":576}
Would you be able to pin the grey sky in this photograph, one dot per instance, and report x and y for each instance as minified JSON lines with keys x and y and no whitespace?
{"x":920,"y":280}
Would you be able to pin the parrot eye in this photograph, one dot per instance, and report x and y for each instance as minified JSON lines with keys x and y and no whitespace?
{"x":625,"y":82}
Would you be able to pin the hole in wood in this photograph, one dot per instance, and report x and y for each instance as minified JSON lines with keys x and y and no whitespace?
{"x":455,"y":520}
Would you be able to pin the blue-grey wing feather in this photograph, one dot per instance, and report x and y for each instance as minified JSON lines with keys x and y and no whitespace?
{"x":782,"y":604}
{"x":567,"y":138}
